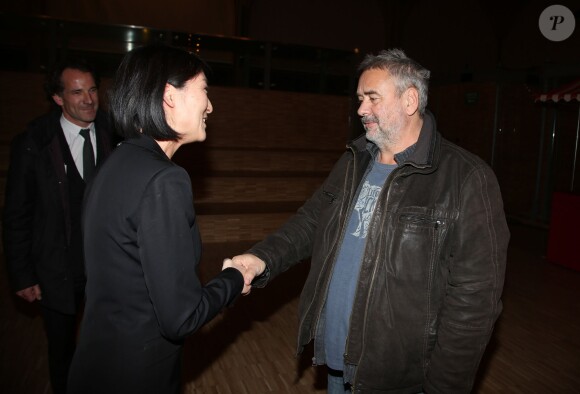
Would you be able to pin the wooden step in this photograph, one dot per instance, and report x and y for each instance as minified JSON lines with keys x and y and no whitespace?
{"x":254,"y":189}
{"x":239,"y":227}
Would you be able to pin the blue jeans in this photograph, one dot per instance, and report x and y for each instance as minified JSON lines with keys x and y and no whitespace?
{"x":336,"y":384}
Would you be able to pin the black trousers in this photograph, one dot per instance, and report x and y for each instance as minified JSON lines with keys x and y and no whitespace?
{"x":61,"y":332}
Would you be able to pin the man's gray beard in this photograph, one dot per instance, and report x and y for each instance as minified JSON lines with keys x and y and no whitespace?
{"x":383,"y":138}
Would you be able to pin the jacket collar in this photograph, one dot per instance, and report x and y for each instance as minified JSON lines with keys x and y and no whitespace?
{"x":421,"y":154}
{"x":424,"y":153}
{"x":144,"y":141}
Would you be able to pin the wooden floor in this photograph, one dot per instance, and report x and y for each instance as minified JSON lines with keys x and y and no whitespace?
{"x":250,"y":347}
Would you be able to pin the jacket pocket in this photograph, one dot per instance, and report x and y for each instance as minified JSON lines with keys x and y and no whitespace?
{"x":414,"y":220}
{"x":414,"y":245}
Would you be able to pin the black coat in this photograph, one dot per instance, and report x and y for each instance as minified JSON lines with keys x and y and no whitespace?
{"x":37,"y":212}
{"x":142,"y":248}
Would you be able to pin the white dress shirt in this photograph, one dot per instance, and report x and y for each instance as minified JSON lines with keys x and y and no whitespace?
{"x":76,"y":141}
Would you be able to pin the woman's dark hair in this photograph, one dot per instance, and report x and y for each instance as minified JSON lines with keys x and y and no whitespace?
{"x":136,"y":96}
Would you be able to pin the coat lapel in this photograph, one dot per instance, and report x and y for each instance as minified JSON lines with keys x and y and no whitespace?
{"x":56,"y":156}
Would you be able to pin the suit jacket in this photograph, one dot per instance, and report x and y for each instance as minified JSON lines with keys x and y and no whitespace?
{"x":37,"y":214}
{"x":143,"y":295}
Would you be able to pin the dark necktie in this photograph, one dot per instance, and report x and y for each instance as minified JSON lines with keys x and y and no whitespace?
{"x":88,"y":156}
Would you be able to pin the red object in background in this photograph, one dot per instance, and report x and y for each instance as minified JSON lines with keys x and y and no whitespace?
{"x":567,"y":93}
{"x":564,"y":236}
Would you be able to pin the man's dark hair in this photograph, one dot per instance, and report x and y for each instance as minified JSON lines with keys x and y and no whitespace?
{"x":53,"y":84}
{"x":136,"y":96}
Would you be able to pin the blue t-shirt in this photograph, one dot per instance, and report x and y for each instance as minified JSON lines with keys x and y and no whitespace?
{"x":346,"y":269}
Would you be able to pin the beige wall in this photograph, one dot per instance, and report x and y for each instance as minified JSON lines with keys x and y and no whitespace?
{"x":264,"y":149}
{"x":297,"y":135}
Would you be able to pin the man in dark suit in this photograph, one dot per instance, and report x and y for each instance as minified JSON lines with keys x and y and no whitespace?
{"x":50,"y":164}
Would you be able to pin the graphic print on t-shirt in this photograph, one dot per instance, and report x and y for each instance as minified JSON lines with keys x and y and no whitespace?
{"x":364,"y":208}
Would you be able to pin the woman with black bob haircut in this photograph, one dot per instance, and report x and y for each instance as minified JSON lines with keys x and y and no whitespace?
{"x":141,"y":238}
{"x":136,"y":98}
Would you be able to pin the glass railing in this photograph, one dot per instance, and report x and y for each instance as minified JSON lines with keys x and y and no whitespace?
{"x":33,"y":43}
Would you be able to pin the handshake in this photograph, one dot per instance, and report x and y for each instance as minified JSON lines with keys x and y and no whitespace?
{"x":249,"y":265}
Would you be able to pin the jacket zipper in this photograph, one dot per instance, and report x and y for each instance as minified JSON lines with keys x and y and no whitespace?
{"x":388,"y":183}
{"x":339,"y":237}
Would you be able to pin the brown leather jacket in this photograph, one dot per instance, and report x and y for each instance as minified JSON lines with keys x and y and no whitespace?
{"x":430,"y":283}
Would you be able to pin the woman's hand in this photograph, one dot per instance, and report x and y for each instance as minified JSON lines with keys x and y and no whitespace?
{"x":248,"y":277}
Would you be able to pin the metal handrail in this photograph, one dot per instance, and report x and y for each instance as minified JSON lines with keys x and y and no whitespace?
{"x":33,"y":43}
